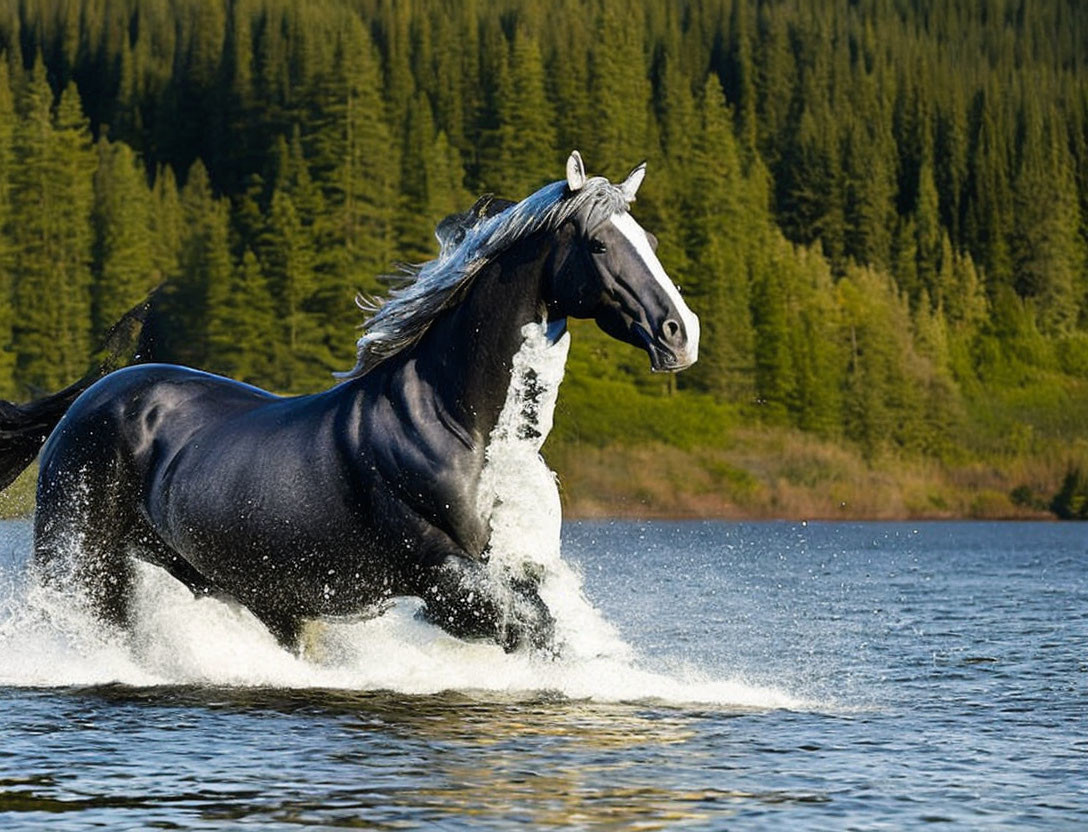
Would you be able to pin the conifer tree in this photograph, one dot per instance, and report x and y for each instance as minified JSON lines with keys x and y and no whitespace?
{"x":680,"y":126}
{"x":415,"y":225}
{"x":741,"y":71}
{"x":355,"y":163}
{"x":526,"y":133}
{"x":816,"y":348}
{"x":869,"y":176}
{"x":989,"y":218}
{"x":965,"y":305}
{"x":566,"y":58}
{"x":774,"y":73}
{"x":74,"y":170}
{"x":352,"y":127}
{"x":7,"y":160}
{"x":242,"y":325}
{"x":1048,"y":254}
{"x":774,"y":371}
{"x":290,"y":173}
{"x":433,"y":188}
{"x":288,"y":268}
{"x":166,"y":223}
{"x":124,"y":269}
{"x":446,"y":76}
{"x":619,"y":86}
{"x":927,"y":231}
{"x":51,"y":242}
{"x":950,"y":162}
{"x":204,"y":267}
{"x":720,"y":224}
{"x":867,"y":414}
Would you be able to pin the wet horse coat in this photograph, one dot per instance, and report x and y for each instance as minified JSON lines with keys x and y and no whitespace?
{"x":326,"y":504}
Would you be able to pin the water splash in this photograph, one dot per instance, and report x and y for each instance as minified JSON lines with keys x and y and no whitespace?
{"x":522,"y":494}
{"x":176,"y":639}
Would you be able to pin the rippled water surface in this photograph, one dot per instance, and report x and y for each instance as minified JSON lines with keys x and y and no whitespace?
{"x":741,"y":676}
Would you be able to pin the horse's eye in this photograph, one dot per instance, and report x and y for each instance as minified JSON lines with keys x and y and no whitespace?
{"x":597,"y":247}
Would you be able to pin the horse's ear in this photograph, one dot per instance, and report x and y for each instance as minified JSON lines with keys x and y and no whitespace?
{"x":576,"y":171}
{"x":634,"y":179}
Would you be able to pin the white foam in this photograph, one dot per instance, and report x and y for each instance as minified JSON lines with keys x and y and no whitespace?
{"x":46,"y":641}
{"x":176,"y":639}
{"x":523,"y":496}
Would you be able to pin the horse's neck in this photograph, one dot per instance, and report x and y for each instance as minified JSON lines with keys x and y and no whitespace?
{"x":468,"y":353}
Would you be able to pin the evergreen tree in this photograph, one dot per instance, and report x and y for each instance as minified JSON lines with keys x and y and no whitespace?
{"x":338,"y":134}
{"x":355,"y":163}
{"x":567,"y":73}
{"x":51,"y":242}
{"x":741,"y":71}
{"x":288,"y":267}
{"x":1048,"y":253}
{"x":720,"y":223}
{"x":526,"y":133}
{"x":619,"y":88}
{"x":817,"y":354}
{"x":774,"y":370}
{"x":415,"y":222}
{"x":124,"y":269}
{"x":166,"y":222}
{"x":927,"y":231}
{"x":7,"y":160}
{"x":242,"y":326}
{"x":775,"y":72}
{"x":989,"y":219}
{"x":869,"y":174}
{"x":74,"y":170}
{"x":204,"y":267}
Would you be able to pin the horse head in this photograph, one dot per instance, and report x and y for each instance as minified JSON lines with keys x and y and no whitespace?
{"x":610,"y":273}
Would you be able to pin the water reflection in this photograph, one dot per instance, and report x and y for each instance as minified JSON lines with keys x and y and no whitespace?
{"x":388,"y":760}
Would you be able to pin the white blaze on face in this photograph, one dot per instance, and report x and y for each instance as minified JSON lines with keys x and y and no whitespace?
{"x":630,"y":229}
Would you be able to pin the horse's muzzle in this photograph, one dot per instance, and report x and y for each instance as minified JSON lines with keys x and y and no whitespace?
{"x":672,"y":349}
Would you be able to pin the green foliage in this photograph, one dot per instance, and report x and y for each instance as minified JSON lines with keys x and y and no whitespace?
{"x":123,"y":266}
{"x":50,"y":242}
{"x":884,"y":237}
{"x":242,"y":316}
{"x":7,"y":161}
{"x":1071,"y":501}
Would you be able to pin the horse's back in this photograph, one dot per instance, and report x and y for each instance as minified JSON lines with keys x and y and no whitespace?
{"x":123,"y":410}
{"x":165,"y":386}
{"x":111,"y":433}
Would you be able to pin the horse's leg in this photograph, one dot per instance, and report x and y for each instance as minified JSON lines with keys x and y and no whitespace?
{"x":285,"y":626}
{"x":149,"y":547}
{"x":465,"y":598}
{"x":80,"y":540}
{"x":153,"y":549}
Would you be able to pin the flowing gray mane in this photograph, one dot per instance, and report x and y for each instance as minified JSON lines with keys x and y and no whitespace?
{"x":400,"y":320}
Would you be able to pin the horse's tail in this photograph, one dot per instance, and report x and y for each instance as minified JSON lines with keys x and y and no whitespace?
{"x":25,"y":427}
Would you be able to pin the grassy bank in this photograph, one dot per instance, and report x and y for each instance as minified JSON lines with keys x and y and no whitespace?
{"x":763,"y":474}
{"x":1006,"y":454}
{"x":17,"y":500}
{"x":679,"y":461}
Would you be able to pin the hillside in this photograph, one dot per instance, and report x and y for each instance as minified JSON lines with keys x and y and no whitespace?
{"x":879,"y":210}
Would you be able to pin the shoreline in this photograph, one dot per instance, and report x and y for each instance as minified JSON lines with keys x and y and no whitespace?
{"x":649,"y":514}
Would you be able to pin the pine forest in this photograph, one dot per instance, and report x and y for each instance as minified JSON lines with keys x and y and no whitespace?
{"x":878,"y":208}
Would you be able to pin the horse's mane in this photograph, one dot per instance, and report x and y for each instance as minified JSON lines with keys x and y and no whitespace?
{"x":399,"y":321}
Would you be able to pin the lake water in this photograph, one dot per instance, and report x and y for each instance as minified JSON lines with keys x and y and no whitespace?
{"x":716,"y":675}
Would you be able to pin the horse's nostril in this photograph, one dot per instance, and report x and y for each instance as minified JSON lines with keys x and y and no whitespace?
{"x":671,"y":329}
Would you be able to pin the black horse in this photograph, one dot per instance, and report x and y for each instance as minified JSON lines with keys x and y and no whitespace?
{"x":328,"y":504}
